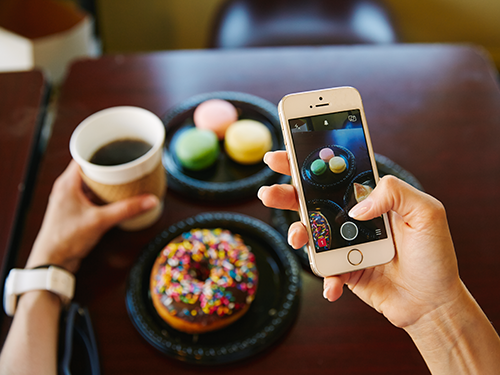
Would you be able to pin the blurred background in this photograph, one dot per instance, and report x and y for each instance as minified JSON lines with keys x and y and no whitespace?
{"x":129,"y":26}
{"x":146,"y":25}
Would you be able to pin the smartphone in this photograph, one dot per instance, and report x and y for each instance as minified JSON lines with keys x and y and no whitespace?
{"x":333,"y":168}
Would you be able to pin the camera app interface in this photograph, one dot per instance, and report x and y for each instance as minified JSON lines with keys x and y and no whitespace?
{"x":336,"y":174}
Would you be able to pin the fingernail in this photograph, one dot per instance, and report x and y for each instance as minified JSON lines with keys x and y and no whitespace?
{"x":265,"y":156}
{"x":261,"y":191}
{"x":291,"y":234}
{"x":361,"y":208}
{"x":325,"y":293}
{"x":149,"y":202}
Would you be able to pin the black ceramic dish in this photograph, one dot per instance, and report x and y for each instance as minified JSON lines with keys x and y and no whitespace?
{"x":226,"y":179}
{"x":268,"y":319}
{"x":281,"y":219}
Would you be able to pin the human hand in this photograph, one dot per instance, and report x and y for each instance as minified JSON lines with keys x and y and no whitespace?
{"x":72,"y":224}
{"x":422,"y":277}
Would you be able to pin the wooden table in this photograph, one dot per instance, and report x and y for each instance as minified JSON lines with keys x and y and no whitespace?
{"x":22,"y":99}
{"x":433,"y":109}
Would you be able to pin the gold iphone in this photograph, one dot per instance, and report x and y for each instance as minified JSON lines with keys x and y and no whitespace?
{"x":333,"y":168}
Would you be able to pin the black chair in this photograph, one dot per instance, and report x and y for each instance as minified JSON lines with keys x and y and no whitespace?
{"x":252,"y":23}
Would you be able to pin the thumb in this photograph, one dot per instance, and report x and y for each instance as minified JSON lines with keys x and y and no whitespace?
{"x":116,"y":212}
{"x":393,"y":194}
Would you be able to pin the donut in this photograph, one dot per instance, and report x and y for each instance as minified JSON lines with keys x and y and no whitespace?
{"x":203,"y":280}
{"x":320,"y":229}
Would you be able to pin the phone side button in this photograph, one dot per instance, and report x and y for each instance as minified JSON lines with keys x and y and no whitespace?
{"x":355,"y":257}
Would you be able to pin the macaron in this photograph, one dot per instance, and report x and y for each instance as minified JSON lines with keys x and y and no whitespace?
{"x":215,"y":115}
{"x":197,"y":149}
{"x":337,"y":164}
{"x":247,"y":141}
{"x":318,"y":167}
{"x":326,"y":154}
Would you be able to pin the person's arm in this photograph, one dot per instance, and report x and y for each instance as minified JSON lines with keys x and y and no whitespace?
{"x":420,"y":289}
{"x":31,"y":345}
{"x":457,"y":339}
{"x":445,"y":322}
{"x":71,"y":227}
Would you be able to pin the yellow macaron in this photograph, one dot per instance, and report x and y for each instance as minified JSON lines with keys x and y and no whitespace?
{"x":247,"y":141}
{"x":337,"y":164}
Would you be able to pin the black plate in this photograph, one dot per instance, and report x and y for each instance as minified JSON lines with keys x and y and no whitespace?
{"x":329,"y":180}
{"x":269,"y":317}
{"x":282,"y":219}
{"x":226,"y":179}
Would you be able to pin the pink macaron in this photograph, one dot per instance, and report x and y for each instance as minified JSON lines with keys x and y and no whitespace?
{"x":326,"y":154}
{"x":215,"y":115}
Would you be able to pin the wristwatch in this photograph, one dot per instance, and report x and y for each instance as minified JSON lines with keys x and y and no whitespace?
{"x":52,"y":278}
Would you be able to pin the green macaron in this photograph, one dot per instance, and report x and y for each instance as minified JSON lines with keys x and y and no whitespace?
{"x":318,"y":167}
{"x":197,"y":149}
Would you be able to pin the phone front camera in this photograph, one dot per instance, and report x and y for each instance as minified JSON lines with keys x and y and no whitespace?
{"x":320,"y":98}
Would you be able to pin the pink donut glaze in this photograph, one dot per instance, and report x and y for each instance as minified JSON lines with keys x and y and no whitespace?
{"x":215,"y":115}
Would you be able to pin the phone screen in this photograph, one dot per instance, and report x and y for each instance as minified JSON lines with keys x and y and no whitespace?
{"x":336,"y":174}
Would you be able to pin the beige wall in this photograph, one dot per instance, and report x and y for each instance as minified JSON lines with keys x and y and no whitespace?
{"x":146,"y":25}
{"x":470,"y":21}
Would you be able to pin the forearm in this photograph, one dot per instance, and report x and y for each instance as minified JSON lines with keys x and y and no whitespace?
{"x":31,"y":345}
{"x":458,"y":339}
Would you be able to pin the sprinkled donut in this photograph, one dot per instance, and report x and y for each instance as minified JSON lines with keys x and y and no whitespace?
{"x":203,"y":280}
{"x":320,"y":229}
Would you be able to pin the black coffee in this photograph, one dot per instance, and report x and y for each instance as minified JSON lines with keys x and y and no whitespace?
{"x":120,"y":152}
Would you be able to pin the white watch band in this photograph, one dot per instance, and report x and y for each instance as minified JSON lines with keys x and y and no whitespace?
{"x":53,"y":279}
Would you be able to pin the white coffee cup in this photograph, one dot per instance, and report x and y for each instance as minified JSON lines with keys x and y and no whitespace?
{"x":142,"y":175}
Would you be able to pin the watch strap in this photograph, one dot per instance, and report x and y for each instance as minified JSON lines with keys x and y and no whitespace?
{"x":53,"y":279}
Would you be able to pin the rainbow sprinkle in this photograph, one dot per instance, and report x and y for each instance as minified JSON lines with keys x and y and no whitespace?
{"x":208,"y":271}
{"x":320,"y":230}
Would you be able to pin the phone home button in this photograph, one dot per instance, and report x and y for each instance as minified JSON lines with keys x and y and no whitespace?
{"x":355,"y":257}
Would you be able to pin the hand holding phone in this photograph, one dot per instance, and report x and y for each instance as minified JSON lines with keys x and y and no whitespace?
{"x":333,"y":168}
{"x":414,"y":291}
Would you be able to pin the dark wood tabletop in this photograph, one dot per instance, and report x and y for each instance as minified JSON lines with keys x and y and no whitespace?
{"x":432,"y":109}
{"x":22,"y":99}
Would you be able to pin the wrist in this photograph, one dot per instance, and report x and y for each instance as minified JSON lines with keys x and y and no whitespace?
{"x":444,"y":319}
{"x":40,"y":257}
{"x":32,"y":298}
{"x":456,"y":337}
